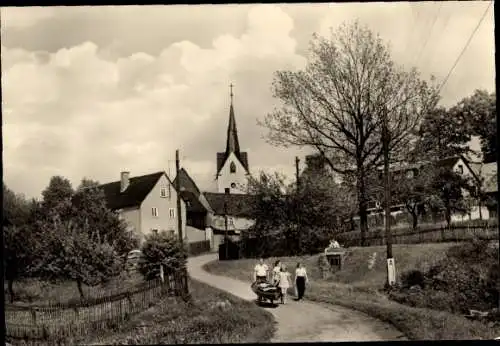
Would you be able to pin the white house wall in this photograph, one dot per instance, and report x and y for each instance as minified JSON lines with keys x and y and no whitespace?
{"x":233,"y":223}
{"x":132,"y":217}
{"x":226,"y":178}
{"x":162,"y":222}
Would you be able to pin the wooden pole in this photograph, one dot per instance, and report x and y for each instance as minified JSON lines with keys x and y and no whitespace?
{"x":387,"y":200}
{"x":226,"y":194}
{"x":178,"y":189}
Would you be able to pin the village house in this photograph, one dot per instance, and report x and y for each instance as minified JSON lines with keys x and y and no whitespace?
{"x":147,"y":203}
{"x":198,"y":211}
{"x":238,"y":210}
{"x":458,"y":164}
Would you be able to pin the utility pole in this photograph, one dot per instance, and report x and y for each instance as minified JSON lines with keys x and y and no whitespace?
{"x":226,"y":194}
{"x":178,"y":190}
{"x":391,"y":271}
{"x":297,"y":176}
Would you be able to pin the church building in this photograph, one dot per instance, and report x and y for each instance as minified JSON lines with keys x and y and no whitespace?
{"x":232,"y":164}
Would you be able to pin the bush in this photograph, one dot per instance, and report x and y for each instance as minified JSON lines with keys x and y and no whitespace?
{"x":467,"y":278}
{"x":413,"y":278}
{"x":161,"y":249}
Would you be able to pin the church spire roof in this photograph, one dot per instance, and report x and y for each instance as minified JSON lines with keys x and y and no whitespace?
{"x":232,"y":144}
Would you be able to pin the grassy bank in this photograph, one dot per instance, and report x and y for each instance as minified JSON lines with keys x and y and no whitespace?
{"x":212,"y":316}
{"x":357,"y":287}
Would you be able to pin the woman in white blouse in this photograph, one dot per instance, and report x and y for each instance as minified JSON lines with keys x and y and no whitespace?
{"x":300,"y":280}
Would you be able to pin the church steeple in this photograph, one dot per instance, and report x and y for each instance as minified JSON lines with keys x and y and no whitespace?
{"x":232,"y":143}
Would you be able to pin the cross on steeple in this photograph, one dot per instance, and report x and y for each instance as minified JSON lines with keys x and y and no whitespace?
{"x":231,"y":94}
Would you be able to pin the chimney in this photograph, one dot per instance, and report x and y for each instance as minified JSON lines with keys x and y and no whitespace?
{"x":124,"y":181}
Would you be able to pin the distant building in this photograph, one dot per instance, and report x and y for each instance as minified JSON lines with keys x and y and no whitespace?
{"x":458,"y":164}
{"x":147,"y":203}
{"x":232,"y":164}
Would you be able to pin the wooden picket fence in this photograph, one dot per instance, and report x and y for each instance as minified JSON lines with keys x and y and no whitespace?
{"x":429,"y":235}
{"x":58,"y":323}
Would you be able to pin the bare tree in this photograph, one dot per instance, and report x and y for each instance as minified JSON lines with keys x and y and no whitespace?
{"x":337,"y":103}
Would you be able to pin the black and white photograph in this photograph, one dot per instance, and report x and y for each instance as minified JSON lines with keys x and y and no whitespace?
{"x":250,"y":173}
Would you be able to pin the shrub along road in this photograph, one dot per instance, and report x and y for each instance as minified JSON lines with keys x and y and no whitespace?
{"x":303,"y":321}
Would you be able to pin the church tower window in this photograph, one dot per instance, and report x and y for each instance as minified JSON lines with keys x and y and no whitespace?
{"x":232,"y":167}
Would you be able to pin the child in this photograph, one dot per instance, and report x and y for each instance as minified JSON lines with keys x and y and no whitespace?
{"x":284,"y":284}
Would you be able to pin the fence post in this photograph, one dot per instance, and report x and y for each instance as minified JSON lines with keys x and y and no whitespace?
{"x":33,"y":316}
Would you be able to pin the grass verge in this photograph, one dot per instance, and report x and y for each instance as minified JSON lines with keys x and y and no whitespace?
{"x":357,"y":287}
{"x":212,"y":316}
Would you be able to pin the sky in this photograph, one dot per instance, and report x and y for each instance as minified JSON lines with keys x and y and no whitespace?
{"x":93,"y":91}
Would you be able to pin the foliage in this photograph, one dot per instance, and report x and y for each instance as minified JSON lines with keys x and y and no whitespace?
{"x":412,"y":278}
{"x":464,"y":278}
{"x":294,"y":221}
{"x":91,"y":212}
{"x":338,"y":103}
{"x":77,"y":254}
{"x":442,"y":133}
{"x":16,"y":209}
{"x":57,"y":198}
{"x":480,"y":111}
{"x":212,"y":317}
{"x":20,"y":252}
{"x":449,"y":187}
{"x":161,"y":249}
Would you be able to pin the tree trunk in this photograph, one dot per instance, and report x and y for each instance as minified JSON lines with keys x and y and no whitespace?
{"x":80,"y":289}
{"x":10,"y":287}
{"x":363,"y":204}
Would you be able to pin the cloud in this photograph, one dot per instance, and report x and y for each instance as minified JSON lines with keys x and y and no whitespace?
{"x":75,"y":113}
{"x":84,"y":98}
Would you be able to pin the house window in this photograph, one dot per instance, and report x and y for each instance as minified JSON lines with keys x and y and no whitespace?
{"x":233,"y":185}
{"x":163,"y":192}
{"x":171,"y":212}
{"x":460,"y":169}
{"x":230,"y":221}
{"x":232,"y":167}
{"x":154,"y":212}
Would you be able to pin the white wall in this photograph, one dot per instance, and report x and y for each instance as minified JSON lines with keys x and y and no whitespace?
{"x":233,"y":223}
{"x":162,"y":222}
{"x":226,"y":178}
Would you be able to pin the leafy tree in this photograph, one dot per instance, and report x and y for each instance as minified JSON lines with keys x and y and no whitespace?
{"x":20,"y":243}
{"x":337,"y":104}
{"x":415,"y":191}
{"x":443,"y":133}
{"x":21,"y":248}
{"x":16,"y":208}
{"x":57,"y":198}
{"x":161,"y":249}
{"x":480,"y":111}
{"x":76,"y":254}
{"x":91,"y":212}
{"x":449,"y":187}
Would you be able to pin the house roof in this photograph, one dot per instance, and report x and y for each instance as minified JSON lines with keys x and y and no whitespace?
{"x":136,"y":192}
{"x":239,"y":205}
{"x":222,"y":158}
{"x":191,"y":193}
{"x":186,"y":182}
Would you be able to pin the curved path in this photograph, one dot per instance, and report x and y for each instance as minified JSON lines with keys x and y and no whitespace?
{"x":303,"y":321}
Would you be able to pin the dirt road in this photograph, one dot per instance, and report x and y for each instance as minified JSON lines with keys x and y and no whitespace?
{"x":303,"y":321}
